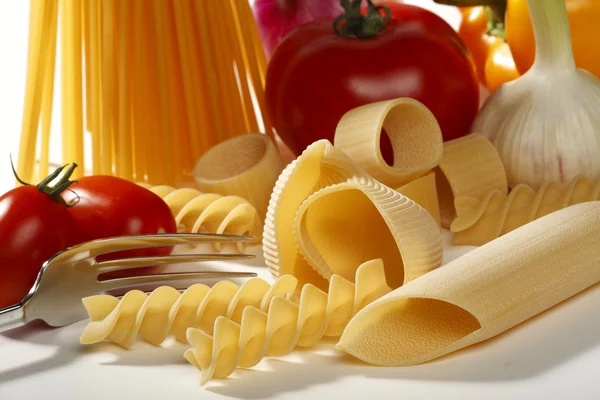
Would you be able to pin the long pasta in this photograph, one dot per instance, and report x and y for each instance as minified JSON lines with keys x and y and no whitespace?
{"x":156,"y":83}
{"x":483,"y":293}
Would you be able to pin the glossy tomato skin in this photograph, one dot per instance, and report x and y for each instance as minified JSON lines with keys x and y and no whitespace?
{"x":109,"y":206}
{"x":315,"y":76}
{"x":33,"y":227}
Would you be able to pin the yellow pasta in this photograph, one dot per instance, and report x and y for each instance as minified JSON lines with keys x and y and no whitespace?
{"x":196,"y":212}
{"x":483,"y":293}
{"x":166,"y":311}
{"x":345,"y":224}
{"x":320,"y":166}
{"x":423,"y":191}
{"x":287,"y":323}
{"x":152,"y":102}
{"x":245,"y":166}
{"x":413,"y":131}
{"x":479,"y":221}
{"x":470,"y":166}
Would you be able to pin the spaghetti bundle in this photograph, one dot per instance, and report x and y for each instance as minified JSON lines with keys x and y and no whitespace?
{"x":155,"y":83}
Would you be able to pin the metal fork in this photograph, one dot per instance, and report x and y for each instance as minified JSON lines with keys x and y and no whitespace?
{"x":72,"y":274}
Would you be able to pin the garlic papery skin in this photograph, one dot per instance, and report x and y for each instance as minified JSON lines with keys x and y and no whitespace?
{"x":546,"y":124}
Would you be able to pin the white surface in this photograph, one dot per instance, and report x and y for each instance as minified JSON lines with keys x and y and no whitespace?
{"x":553,"y":356}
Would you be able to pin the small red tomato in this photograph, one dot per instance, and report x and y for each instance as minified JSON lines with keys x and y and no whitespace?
{"x":317,"y":75}
{"x":109,"y":206}
{"x":33,"y":227}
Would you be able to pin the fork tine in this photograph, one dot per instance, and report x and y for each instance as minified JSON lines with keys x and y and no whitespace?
{"x":137,"y":262}
{"x":114,"y":244}
{"x":122,"y":283}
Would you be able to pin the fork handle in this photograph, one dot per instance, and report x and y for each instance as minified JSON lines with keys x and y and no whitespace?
{"x":11,"y":317}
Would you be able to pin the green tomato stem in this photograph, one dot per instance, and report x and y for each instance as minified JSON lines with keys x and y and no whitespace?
{"x":352,"y":23}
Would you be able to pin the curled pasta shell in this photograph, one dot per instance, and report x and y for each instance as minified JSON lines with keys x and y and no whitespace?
{"x":479,"y":221}
{"x":470,"y":166}
{"x":286,"y":324}
{"x":413,"y":131}
{"x":483,"y":293}
{"x":246,"y":166}
{"x":347,"y":223}
{"x":210,"y":212}
{"x":320,"y":165}
{"x":166,"y":311}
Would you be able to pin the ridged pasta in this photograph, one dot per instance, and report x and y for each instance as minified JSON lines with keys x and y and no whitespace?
{"x":288,"y":322}
{"x":198,"y":212}
{"x":479,"y":221}
{"x":166,"y":311}
{"x":320,"y":174}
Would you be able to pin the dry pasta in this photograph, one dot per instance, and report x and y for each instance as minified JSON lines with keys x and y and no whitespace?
{"x":423,"y":191}
{"x":245,"y":166}
{"x":483,"y":293}
{"x":166,"y":311}
{"x":470,"y":166}
{"x":287,"y":323}
{"x":322,"y":166}
{"x":138,"y":76}
{"x":413,"y":131}
{"x":479,"y":221}
{"x":198,"y":212}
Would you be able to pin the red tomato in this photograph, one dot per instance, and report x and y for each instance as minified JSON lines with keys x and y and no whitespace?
{"x":110,"y":206}
{"x":315,"y":76}
{"x":33,"y":227}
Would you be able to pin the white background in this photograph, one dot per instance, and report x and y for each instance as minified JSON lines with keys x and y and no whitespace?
{"x":555,"y":355}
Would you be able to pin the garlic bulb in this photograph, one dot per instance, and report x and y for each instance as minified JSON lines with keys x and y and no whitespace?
{"x":546,"y":124}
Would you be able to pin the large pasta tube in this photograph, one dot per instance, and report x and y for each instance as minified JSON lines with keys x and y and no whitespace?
{"x":483,"y":293}
{"x":470,"y":166}
{"x":413,"y":131}
{"x":245,"y":166}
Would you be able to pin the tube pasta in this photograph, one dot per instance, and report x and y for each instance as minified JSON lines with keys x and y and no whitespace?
{"x":209,"y":212}
{"x":483,"y":293}
{"x":166,"y":311}
{"x":413,"y":131}
{"x":288,"y":323}
{"x":423,"y":191}
{"x":246,"y":166}
{"x":479,"y":221}
{"x":320,"y":166}
{"x":470,"y":167}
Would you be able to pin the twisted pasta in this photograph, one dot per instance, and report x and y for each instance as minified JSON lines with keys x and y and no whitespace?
{"x":479,"y":221}
{"x":167,"y":311}
{"x":195,"y":212}
{"x":289,"y":322}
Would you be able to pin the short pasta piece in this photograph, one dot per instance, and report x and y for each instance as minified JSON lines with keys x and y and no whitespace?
{"x":470,"y":166}
{"x":423,"y":191}
{"x":479,"y":221}
{"x":288,"y":322}
{"x":322,"y":177}
{"x":166,"y":311}
{"x":198,"y":212}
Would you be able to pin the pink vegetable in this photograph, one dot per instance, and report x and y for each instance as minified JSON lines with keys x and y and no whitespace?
{"x":277,"y":18}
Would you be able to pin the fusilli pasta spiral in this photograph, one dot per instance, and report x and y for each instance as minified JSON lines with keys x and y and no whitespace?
{"x":479,"y":221}
{"x":197,"y":212}
{"x":288,"y":322}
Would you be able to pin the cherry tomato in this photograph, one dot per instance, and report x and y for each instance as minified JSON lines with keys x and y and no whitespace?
{"x":33,"y":227}
{"x":109,"y":206}
{"x":315,"y":76}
